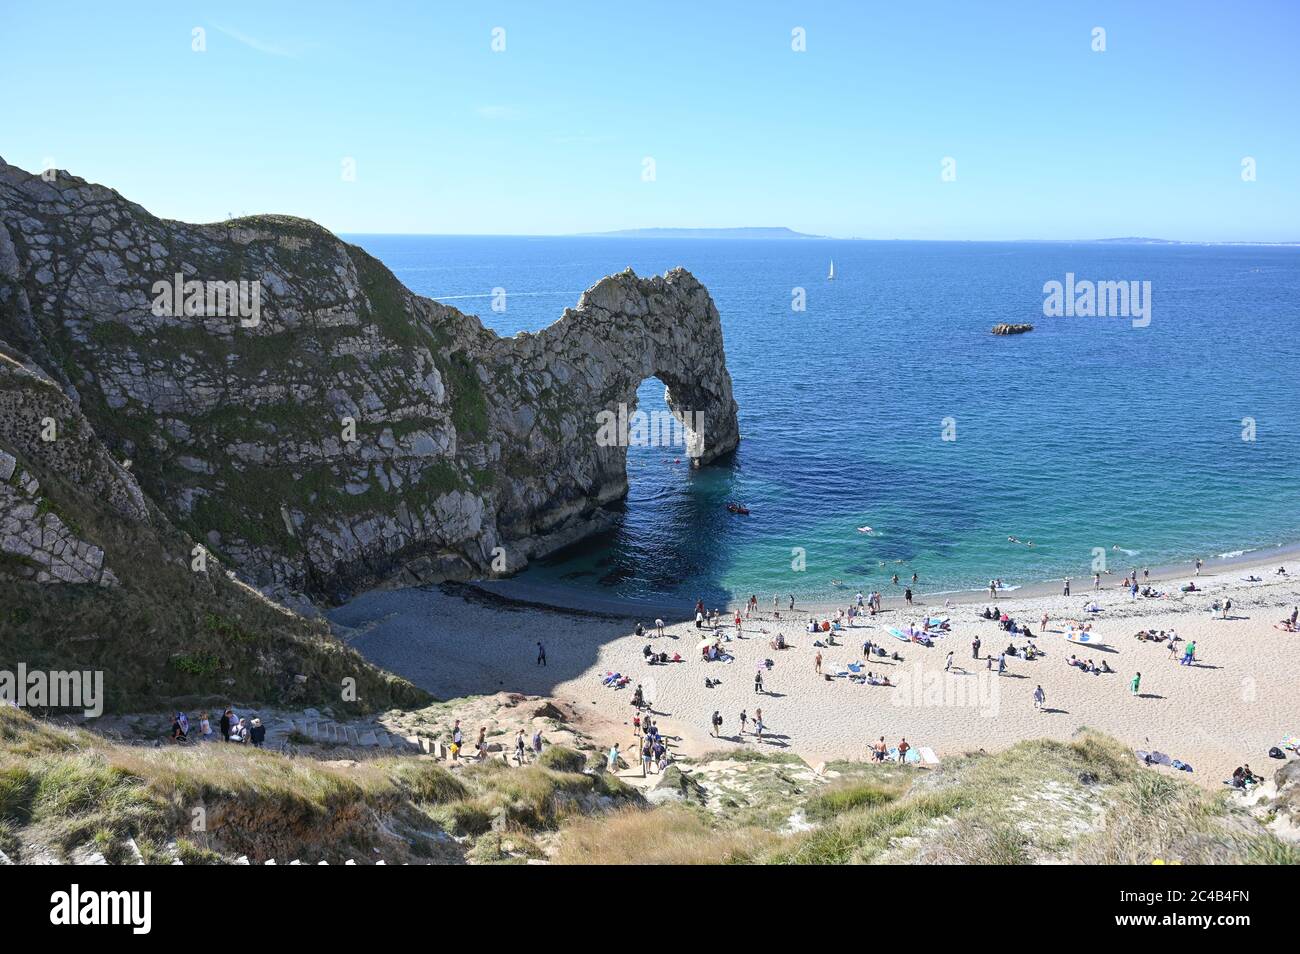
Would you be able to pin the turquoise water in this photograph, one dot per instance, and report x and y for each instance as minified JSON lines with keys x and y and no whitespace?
{"x":1085,"y":433}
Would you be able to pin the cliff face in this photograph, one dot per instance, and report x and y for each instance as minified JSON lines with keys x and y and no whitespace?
{"x":318,"y":425}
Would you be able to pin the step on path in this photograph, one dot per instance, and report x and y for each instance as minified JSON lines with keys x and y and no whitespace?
{"x":365,"y":736}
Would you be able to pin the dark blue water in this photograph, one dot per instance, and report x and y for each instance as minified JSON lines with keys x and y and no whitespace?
{"x":1086,"y":433}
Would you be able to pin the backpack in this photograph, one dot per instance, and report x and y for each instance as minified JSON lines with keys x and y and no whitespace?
{"x":1276,"y":753}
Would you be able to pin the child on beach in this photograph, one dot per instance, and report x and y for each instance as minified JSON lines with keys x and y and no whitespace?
{"x":1135,"y":684}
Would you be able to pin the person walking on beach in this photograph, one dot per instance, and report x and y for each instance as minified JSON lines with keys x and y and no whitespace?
{"x":907,"y":595}
{"x":537,"y":743}
{"x":1199,"y":564}
{"x":541,"y":654}
{"x":744,"y":721}
{"x":1042,"y":624}
{"x":947,"y":666}
{"x":1066,"y":590}
{"x":758,"y":681}
{"x":1039,"y":698}
{"x":1002,"y":664}
{"x":716,"y":722}
{"x":975,"y":648}
{"x":758,"y":723}
{"x":612,"y":762}
{"x":1135,"y":684}
{"x":659,"y":627}
{"x":1146,"y":574}
{"x":1096,"y":581}
{"x":993,"y":589}
{"x":817,"y":661}
{"x":519,"y":747}
{"x":791,"y":602}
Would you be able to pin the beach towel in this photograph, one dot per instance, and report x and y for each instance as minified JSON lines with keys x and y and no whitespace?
{"x":899,"y":634}
{"x":928,"y":756}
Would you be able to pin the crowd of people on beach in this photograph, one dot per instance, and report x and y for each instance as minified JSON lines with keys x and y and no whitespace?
{"x":927,"y":631}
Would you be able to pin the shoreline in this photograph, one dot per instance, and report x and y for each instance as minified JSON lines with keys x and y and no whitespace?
{"x":560,"y":599}
{"x":1229,"y":707}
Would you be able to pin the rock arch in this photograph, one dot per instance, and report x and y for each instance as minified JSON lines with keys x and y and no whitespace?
{"x":586,"y":369}
{"x":467,"y":453}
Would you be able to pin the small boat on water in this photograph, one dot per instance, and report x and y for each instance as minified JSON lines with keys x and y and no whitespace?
{"x":831,"y":276}
{"x":739,"y":508}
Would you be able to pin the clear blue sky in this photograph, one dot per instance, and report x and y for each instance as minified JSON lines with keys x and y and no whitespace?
{"x":1051,"y":139}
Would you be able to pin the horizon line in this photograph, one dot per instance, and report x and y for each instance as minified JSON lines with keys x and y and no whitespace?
{"x":804,"y":237}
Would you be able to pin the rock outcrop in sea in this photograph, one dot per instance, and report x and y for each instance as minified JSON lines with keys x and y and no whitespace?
{"x":1005,"y":329}
{"x":290,"y":405}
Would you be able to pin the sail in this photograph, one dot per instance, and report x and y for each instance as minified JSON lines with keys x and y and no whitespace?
{"x":831,"y":276}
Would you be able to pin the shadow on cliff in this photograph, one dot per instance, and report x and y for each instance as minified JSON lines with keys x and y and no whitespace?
{"x":469,"y":639}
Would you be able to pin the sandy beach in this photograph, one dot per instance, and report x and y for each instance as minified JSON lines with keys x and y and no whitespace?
{"x":1229,"y":707}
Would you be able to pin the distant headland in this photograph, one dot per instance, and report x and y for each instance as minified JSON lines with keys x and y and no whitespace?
{"x":734,"y":233}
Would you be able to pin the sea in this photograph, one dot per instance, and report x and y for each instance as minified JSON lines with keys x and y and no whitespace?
{"x":881,"y":400}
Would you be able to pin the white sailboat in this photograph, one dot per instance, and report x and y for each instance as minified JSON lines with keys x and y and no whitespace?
{"x":831,"y":276}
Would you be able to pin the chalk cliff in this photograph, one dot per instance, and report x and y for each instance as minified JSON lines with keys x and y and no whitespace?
{"x":319,"y":427}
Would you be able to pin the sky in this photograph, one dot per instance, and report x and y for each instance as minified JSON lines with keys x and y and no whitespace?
{"x":443,"y":133}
